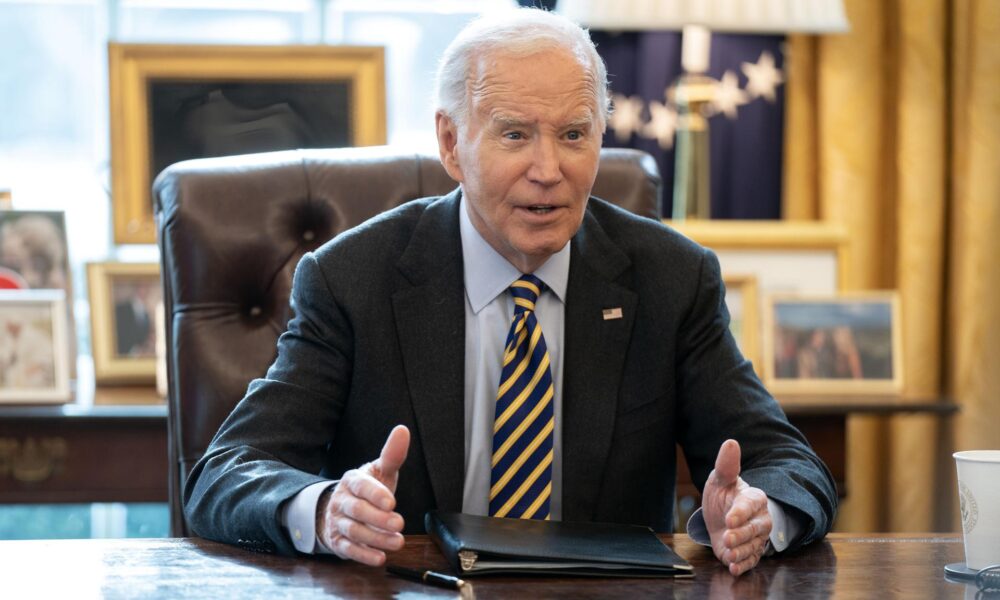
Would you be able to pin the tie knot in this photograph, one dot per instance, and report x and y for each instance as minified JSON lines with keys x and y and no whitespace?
{"x":525,"y":292}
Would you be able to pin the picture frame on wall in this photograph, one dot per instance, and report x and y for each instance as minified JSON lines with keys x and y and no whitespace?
{"x":847,"y":344}
{"x":34,"y":347}
{"x":742,"y":301}
{"x":123,"y":300}
{"x":178,"y":102}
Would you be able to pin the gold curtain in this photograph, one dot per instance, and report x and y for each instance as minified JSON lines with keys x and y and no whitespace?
{"x":893,"y":130}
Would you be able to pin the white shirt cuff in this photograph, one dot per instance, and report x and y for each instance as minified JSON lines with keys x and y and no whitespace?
{"x":298,"y":516}
{"x":784,"y":528}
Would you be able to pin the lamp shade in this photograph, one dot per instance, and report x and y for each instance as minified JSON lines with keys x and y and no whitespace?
{"x":743,"y":16}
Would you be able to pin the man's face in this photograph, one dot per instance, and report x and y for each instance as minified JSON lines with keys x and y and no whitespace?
{"x":528,"y":155}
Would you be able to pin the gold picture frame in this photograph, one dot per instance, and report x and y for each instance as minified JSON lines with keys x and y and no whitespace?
{"x":123,"y":299}
{"x":145,"y":78}
{"x":742,"y":302}
{"x":775,"y":247}
{"x":848,"y":344}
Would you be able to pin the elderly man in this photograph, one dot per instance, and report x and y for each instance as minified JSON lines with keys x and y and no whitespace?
{"x":546,"y":349}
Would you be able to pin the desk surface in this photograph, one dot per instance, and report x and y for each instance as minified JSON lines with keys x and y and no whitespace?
{"x":844,"y":566}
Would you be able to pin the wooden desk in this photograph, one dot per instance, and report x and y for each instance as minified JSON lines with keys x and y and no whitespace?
{"x":897,"y":566}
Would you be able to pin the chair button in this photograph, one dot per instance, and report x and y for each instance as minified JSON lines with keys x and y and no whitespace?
{"x":309,"y":235}
{"x":255,"y":311}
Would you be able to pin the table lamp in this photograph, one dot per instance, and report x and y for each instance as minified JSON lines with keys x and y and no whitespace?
{"x":695,"y":91}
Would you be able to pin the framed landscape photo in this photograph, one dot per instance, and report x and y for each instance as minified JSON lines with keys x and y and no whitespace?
{"x":34,"y":346}
{"x":178,"y":102}
{"x":123,"y":300}
{"x":840,"y":344}
{"x":742,"y":302}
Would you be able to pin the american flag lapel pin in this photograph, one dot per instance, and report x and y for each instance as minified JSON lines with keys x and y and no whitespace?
{"x":612,"y":313}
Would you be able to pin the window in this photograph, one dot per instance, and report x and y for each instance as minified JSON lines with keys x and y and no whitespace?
{"x":54,"y":141}
{"x":54,"y":135}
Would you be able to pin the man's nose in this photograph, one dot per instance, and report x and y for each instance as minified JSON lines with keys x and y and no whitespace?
{"x":546,"y":168}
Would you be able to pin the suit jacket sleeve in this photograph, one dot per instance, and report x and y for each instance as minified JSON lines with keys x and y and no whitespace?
{"x":273,"y":443}
{"x":720,"y":397}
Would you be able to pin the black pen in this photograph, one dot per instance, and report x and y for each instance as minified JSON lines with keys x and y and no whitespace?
{"x":428,"y":577}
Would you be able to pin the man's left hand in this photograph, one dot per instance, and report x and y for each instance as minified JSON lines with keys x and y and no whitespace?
{"x":735,"y":513}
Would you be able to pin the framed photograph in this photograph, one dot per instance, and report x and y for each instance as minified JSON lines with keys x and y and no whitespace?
{"x":177,"y":102}
{"x":123,"y":300}
{"x":793,"y":257}
{"x":742,"y":301}
{"x":34,"y":256}
{"x":840,"y":344}
{"x":34,"y":346}
{"x":33,"y":252}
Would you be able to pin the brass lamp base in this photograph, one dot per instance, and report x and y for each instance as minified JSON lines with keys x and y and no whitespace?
{"x":692,"y":169}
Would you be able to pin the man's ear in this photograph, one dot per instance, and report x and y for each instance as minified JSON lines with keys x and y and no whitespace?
{"x":447,"y":136}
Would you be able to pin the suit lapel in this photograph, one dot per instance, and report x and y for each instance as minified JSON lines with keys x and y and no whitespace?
{"x":430,"y":317}
{"x":594,"y":360}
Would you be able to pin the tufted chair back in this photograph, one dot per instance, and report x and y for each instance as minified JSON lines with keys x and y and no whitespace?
{"x":231,"y":231}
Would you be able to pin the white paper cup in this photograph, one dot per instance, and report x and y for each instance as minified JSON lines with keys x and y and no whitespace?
{"x":979,"y":500}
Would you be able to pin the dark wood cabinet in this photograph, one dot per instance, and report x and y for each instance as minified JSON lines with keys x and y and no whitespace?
{"x":111,"y":445}
{"x":108,"y":447}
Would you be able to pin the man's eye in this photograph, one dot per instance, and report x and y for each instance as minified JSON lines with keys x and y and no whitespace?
{"x":513,"y":135}
{"x":574,"y":135}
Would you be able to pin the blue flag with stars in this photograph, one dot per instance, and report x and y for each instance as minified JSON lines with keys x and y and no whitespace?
{"x":746,"y":118}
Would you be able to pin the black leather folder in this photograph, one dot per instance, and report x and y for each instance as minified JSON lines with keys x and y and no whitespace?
{"x":485,"y":545}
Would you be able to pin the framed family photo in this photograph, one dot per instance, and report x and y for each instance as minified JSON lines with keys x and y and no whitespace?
{"x":178,"y":102}
{"x":742,"y":302}
{"x":123,"y":300}
{"x":34,"y":346}
{"x":841,"y":344}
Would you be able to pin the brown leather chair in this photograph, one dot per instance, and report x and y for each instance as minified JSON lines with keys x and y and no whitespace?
{"x":230,"y":232}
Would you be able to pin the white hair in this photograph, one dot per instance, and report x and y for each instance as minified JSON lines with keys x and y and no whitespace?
{"x":520,"y":32}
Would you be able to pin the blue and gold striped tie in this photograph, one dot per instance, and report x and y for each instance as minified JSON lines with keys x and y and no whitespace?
{"x":521,"y":477}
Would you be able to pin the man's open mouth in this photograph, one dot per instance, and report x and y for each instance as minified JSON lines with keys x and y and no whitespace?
{"x":541,"y":210}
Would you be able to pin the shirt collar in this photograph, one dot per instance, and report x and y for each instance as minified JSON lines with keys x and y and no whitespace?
{"x":488,"y":274}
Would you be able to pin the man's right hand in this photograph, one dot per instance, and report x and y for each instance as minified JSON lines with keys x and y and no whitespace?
{"x":355,"y":519}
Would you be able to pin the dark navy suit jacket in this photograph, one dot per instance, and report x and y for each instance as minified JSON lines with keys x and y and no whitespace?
{"x":378,"y":339}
